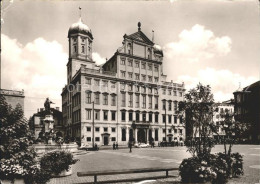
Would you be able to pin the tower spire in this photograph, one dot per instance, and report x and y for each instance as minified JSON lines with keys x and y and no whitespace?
{"x":79,"y":12}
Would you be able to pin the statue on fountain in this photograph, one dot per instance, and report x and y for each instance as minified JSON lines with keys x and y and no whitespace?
{"x":47,"y":105}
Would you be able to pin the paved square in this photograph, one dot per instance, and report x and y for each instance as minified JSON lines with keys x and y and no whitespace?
{"x":153,"y":157}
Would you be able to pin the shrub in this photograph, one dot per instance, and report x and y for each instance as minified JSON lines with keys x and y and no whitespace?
{"x":236,"y":164}
{"x":57,"y":161}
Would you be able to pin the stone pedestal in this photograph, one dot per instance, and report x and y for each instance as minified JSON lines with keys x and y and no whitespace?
{"x":48,"y":123}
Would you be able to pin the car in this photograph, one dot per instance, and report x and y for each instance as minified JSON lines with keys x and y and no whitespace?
{"x":141,"y":145}
{"x":88,"y":147}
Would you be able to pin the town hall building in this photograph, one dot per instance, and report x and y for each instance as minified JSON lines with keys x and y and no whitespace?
{"x":125,"y":99}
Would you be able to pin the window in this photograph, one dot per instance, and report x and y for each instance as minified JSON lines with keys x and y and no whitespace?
{"x":130,"y":100}
{"x":150,"y":117}
{"x":137,"y":76}
{"x":130,"y":87}
{"x":122,"y":62}
{"x":149,"y":54}
{"x":105,"y":114}
{"x":113,"y":85}
{"x":175,"y":106}
{"x":97,"y":115}
{"x":96,"y":98}
{"x":143,"y":77}
{"x":169,"y":118}
{"x":123,"y":115}
{"x":149,"y":67}
{"x":88,"y":139}
{"x":137,"y":101}
{"x":150,"y":102}
{"x":97,"y":139}
{"x":144,"y":101}
{"x":163,"y":130}
{"x":130,"y":63}
{"x":105,"y":99}
{"x":137,"y":88}
{"x":113,"y":139}
{"x":156,"y":79}
{"x":136,"y":64}
{"x":88,"y":114}
{"x":129,"y":48}
{"x":180,"y":94}
{"x":122,"y":74}
{"x":175,"y":131}
{"x":156,"y":134}
{"x":156,"y":102}
{"x":150,"y":90}
{"x":105,"y":83}
{"x":180,"y":131}
{"x":137,"y":116}
{"x":88,"y":129}
{"x":123,"y":99}
{"x":123,"y":134}
{"x":105,"y":129}
{"x":164,"y":118}
{"x":164,"y":105}
{"x":97,"y":129}
{"x":150,"y":78}
{"x":180,"y":119}
{"x":113,"y":100}
{"x":156,"y":68}
{"x":97,"y":82}
{"x":156,"y":118}
{"x":174,"y":93}
{"x":82,"y":49}
{"x":143,"y":66}
{"x":175,"y":119}
{"x":143,"y":89}
{"x":164,"y":91}
{"x":169,"y":92}
{"x":130,"y":116}
{"x":88,"y":98}
{"x":88,"y":80}
{"x":75,"y":48}
{"x":113,"y":129}
{"x":113,"y":115}
{"x":144,"y":116}
{"x":130,"y":75}
{"x":169,"y":131}
{"x":169,"y":106}
{"x":122,"y":86}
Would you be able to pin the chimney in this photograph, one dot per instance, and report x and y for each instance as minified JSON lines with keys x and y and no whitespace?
{"x":57,"y":108}
{"x":41,"y":109}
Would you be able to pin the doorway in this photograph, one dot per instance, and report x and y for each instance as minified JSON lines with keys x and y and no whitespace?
{"x":141,"y":135}
{"x":105,"y":140}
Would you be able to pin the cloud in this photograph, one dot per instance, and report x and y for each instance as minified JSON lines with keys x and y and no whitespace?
{"x":222,"y":82}
{"x":39,"y":68}
{"x":98,"y":59}
{"x":197,"y":44}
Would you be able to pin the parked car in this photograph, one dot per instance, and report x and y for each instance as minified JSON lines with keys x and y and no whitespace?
{"x":141,"y":145}
{"x":89,"y":147}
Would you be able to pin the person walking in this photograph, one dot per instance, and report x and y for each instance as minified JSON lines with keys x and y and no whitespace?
{"x":130,"y":146}
{"x":114,"y":146}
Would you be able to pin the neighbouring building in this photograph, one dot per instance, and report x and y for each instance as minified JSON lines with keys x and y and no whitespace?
{"x":247,"y":110}
{"x":224,"y":107}
{"x":36,"y":122}
{"x":13,"y":97}
{"x":126,"y":99}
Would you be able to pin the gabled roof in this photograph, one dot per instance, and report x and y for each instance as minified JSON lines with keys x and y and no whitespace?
{"x":139,"y":36}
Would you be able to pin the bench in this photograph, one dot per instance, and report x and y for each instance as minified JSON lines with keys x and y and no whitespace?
{"x":126,"y":171}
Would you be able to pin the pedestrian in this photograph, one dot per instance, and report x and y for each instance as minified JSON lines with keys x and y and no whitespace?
{"x":130,"y":146}
{"x":114,"y":145}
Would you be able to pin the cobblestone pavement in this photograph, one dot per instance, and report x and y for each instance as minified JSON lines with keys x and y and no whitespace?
{"x":153,"y":157}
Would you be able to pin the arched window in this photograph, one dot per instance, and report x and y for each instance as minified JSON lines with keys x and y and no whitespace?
{"x":75,"y":48}
{"x":123,"y":134}
{"x":129,"y":49}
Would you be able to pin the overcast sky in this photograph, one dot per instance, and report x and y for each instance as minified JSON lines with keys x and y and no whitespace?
{"x":215,"y":42}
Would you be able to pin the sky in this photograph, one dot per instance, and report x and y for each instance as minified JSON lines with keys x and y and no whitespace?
{"x":215,"y":42}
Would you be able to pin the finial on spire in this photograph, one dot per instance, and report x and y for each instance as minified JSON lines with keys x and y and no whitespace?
{"x":139,"y":26}
{"x":153,"y":35}
{"x":79,"y":12}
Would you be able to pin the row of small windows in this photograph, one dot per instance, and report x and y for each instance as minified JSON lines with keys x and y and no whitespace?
{"x":143,"y":65}
{"x":97,"y":99}
{"x":175,"y":131}
{"x":105,"y":129}
{"x":97,"y":115}
{"x":137,"y":77}
{"x":170,"y":92}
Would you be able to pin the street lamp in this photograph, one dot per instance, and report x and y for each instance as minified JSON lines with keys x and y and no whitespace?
{"x":93,"y":127}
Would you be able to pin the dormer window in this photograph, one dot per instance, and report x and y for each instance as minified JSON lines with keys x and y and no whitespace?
{"x":129,"y":48}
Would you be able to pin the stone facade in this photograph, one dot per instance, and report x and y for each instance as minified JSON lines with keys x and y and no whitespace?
{"x":13,"y":97}
{"x":128,"y":93}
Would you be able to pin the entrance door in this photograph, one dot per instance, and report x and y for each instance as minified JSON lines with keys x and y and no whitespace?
{"x":141,"y":135}
{"x":105,"y":140}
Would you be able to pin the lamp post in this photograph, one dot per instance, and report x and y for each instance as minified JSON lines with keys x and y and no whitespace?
{"x":93,"y":127}
{"x":165,"y":120}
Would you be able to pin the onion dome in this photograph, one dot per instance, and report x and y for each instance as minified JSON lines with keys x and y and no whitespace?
{"x":158,"y":49}
{"x":80,"y":27}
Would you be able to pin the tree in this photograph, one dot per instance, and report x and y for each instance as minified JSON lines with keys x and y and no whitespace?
{"x":16,"y":154}
{"x":197,"y":111}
